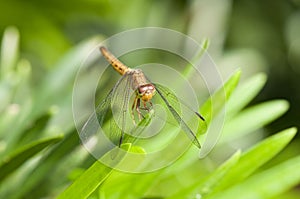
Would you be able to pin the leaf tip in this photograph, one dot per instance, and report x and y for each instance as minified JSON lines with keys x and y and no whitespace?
{"x":291,"y":131}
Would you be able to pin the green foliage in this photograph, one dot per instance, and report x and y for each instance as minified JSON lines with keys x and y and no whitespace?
{"x":19,"y":156}
{"x":216,"y":102}
{"x":37,"y":162}
{"x":33,"y":118}
{"x":266,"y":184}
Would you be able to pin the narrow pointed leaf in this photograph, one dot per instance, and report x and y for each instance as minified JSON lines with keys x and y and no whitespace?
{"x":256,"y":157}
{"x":254,"y":118}
{"x":90,"y":180}
{"x":17,"y":158}
{"x":266,"y":184}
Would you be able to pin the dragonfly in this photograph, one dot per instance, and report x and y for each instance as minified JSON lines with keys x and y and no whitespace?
{"x":134,"y":80}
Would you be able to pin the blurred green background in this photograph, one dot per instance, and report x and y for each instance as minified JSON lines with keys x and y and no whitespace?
{"x":252,"y":35}
{"x":255,"y":36}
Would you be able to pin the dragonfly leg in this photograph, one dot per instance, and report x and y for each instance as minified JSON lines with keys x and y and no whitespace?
{"x":150,"y":105}
{"x":138,"y":108}
{"x":145,"y":106}
{"x":134,"y":105}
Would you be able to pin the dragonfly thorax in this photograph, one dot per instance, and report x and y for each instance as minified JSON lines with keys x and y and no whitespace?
{"x":146,"y":92}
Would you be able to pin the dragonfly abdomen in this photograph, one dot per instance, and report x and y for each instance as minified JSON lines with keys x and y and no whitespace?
{"x":116,"y":64}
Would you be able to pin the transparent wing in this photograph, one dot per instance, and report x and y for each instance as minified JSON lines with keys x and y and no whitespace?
{"x":121,"y":121}
{"x":96,"y":120}
{"x":140,"y":127}
{"x":113,"y":108}
{"x":175,"y":105}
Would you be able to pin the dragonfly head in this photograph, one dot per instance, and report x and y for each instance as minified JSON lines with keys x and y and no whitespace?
{"x":146,"y":92}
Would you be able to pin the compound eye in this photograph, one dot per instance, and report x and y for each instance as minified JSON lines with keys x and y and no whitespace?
{"x":146,"y":92}
{"x":142,"y":90}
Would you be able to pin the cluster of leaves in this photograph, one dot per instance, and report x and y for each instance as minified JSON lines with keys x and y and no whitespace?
{"x":37,"y":129}
{"x":37,"y":161}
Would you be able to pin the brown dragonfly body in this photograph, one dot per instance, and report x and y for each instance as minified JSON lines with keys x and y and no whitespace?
{"x":144,"y":92}
{"x":144,"y":89}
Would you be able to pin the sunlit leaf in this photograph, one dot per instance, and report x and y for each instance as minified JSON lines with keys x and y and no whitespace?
{"x":256,"y":157}
{"x":266,"y":184}
{"x":244,"y":93}
{"x":90,"y":180}
{"x":203,"y":186}
{"x":254,"y":118}
{"x":217,"y":101}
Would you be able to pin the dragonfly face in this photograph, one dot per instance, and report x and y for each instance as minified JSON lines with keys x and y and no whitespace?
{"x":146,"y":92}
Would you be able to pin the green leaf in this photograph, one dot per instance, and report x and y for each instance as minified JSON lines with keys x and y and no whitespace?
{"x":61,"y":79}
{"x":124,"y":181}
{"x":39,"y":125}
{"x":9,"y":51}
{"x":92,"y":178}
{"x":189,"y":69}
{"x":254,"y":118}
{"x":213,"y":114}
{"x":137,"y":149}
{"x":217,"y":101}
{"x":266,"y":184}
{"x":201,"y":186}
{"x":256,"y":157}
{"x":88,"y":182}
{"x":48,"y":164}
{"x":18,"y":157}
{"x":55,"y":84}
{"x":245,"y":93}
